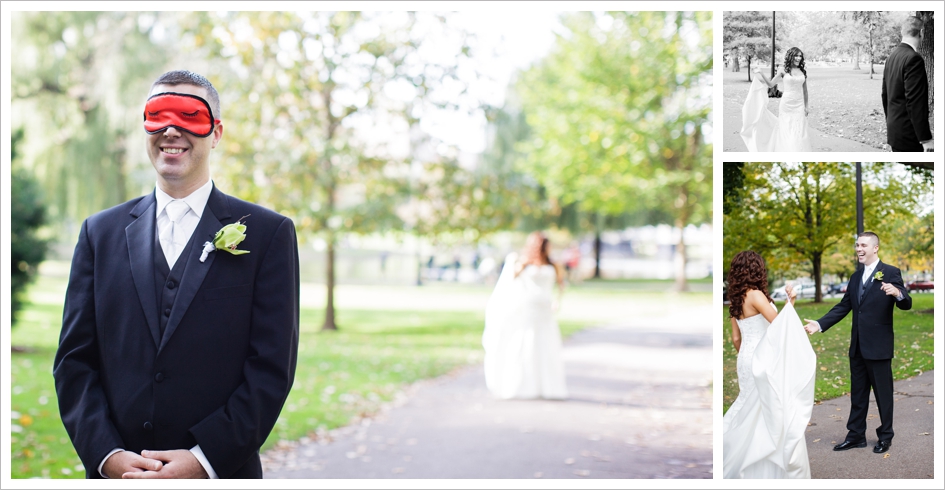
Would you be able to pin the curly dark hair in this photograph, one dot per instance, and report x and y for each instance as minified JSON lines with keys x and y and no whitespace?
{"x":747,"y":272}
{"x":789,"y":61}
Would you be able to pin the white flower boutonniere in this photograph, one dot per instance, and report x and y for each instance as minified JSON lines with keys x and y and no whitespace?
{"x":878,"y":276}
{"x":227,"y":239}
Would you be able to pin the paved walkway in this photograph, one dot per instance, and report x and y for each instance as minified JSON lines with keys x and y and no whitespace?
{"x":640,"y":406}
{"x":732,"y":141}
{"x":912,"y":447}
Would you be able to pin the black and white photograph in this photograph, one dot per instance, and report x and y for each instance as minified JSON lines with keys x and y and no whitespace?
{"x":852,"y":81}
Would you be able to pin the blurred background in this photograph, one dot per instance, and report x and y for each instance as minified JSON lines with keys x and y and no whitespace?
{"x":413,"y":151}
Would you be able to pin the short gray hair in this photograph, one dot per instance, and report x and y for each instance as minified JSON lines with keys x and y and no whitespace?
{"x":185,"y":77}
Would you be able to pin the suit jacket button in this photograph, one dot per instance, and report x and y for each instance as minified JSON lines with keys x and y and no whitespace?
{"x":159,"y":377}
{"x":171,"y":285}
{"x":148,"y":426}
{"x":167,"y":312}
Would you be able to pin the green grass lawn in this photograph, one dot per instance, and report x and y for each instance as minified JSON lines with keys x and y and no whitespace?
{"x":914,"y":347}
{"x":340,"y":375}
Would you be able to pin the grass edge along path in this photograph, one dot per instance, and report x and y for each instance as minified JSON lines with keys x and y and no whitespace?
{"x":341,"y":376}
{"x":915,"y":345}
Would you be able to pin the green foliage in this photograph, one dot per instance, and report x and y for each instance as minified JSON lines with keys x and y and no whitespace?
{"x":915,"y":345}
{"x":619,"y":111}
{"x":79,"y":81}
{"x":795,"y":215}
{"x":27,"y":216}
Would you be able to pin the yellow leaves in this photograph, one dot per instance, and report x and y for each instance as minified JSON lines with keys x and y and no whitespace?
{"x":26,"y":420}
{"x":886,"y":456}
{"x":823,"y":368}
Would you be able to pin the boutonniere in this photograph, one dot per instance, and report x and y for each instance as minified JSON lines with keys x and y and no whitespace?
{"x":227,"y":239}
{"x":878,"y":276}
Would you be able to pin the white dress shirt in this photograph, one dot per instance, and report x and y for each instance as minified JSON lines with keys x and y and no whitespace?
{"x":197,"y":201}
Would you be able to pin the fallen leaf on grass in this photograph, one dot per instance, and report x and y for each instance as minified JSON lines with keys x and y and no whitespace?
{"x":816,"y":440}
{"x":823,"y":368}
{"x":886,"y":456}
{"x":924,"y":434}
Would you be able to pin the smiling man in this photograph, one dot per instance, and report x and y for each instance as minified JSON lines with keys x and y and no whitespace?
{"x":871,"y":294}
{"x":177,"y":352}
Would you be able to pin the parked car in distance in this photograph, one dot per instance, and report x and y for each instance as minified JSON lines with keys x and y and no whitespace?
{"x":920,"y":286}
{"x":803,"y":291}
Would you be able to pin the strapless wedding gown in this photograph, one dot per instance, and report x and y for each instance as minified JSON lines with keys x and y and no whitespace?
{"x":763,"y":431}
{"x":521,"y":339}
{"x":788,"y":131}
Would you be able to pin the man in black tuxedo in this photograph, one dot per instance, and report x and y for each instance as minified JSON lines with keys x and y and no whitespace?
{"x":176,"y":358}
{"x":906,"y":93}
{"x":871,"y":294}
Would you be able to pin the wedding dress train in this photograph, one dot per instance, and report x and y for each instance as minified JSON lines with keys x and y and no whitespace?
{"x":788,"y":131}
{"x":521,"y":338}
{"x":763,"y":430}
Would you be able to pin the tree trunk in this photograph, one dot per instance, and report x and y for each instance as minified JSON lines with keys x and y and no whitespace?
{"x":330,"y":284}
{"x":925,"y":49}
{"x":734,"y":58}
{"x":815,"y":260}
{"x":597,"y":246}
{"x":871,"y":52}
{"x":749,"y":67}
{"x":856,"y":59}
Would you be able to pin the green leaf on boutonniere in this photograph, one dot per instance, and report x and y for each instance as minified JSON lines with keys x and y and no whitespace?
{"x":878,"y":276}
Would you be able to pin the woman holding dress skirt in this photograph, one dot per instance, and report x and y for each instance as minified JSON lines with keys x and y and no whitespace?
{"x":763,"y":431}
{"x":788,"y":131}
{"x":521,"y":338}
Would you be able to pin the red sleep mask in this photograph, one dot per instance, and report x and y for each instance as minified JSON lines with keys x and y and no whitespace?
{"x":183,"y":111}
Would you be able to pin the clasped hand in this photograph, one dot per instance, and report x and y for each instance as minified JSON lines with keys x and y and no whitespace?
{"x":179,"y":463}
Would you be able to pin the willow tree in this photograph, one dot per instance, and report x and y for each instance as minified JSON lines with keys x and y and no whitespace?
{"x":619,"y":112}
{"x":77,"y":85}
{"x":324,"y":113}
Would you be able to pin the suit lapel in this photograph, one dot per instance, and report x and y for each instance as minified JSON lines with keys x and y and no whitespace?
{"x":140,"y":238}
{"x":195,"y":271}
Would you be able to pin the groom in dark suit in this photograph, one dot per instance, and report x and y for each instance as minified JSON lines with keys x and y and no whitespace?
{"x":906,"y":93}
{"x":871,"y":294}
{"x":175,"y":357}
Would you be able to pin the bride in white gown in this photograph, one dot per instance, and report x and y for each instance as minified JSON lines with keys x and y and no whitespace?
{"x":521,"y":336}
{"x":763,"y":432}
{"x":788,"y":131}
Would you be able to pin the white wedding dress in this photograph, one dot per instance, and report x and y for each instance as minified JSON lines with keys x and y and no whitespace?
{"x":763,"y":431}
{"x":521,"y":338}
{"x":788,"y":131}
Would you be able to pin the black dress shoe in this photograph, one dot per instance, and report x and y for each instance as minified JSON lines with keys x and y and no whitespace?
{"x":843,"y":446}
{"x":882,"y":446}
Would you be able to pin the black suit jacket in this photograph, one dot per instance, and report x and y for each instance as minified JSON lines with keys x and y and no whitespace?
{"x":873,"y":316}
{"x":906,"y":99}
{"x":220,"y":374}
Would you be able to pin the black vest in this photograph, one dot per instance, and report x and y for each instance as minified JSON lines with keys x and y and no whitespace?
{"x":167,"y":280}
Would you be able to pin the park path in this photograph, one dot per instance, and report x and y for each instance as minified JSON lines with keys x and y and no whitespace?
{"x":833,"y":88}
{"x":640,"y":406}
{"x":912,"y":446}
{"x":732,"y":141}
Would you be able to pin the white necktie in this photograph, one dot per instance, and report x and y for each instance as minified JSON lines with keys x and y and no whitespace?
{"x":173,"y":239}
